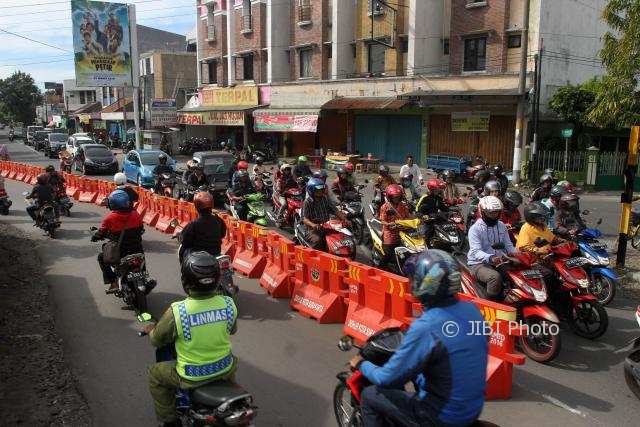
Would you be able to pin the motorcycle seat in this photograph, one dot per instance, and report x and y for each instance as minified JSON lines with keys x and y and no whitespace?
{"x":216,"y":393}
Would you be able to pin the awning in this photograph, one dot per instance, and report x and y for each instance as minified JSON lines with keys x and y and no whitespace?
{"x":286,"y":120}
{"x":456,"y":97}
{"x":231,"y":115}
{"x":365,"y":104}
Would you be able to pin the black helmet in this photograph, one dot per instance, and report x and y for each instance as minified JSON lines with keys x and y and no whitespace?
{"x":50,"y":168}
{"x":536,"y":213}
{"x":569,"y":202}
{"x":341,"y":171}
{"x":448,"y":174}
{"x":557,"y":191}
{"x":481,"y":178}
{"x":200,"y":272}
{"x":43,"y":179}
{"x":545,"y":177}
{"x":383,"y":169}
{"x":513,"y":198}
{"x":491,"y":186}
{"x":497,"y":169}
{"x":259,"y":160}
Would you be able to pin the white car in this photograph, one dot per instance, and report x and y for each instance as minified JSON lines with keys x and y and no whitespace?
{"x":75,"y":141}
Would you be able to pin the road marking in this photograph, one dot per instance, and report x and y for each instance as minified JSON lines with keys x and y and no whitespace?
{"x":563,"y":405}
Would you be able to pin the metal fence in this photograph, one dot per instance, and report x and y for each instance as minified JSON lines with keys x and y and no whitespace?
{"x":612,"y":163}
{"x":576,"y":161}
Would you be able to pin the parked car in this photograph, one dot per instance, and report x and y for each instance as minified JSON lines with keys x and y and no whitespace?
{"x":138,"y":166}
{"x":76,"y":141}
{"x":95,"y":159}
{"x":30,"y":131}
{"x":40,"y":139}
{"x":55,"y":143}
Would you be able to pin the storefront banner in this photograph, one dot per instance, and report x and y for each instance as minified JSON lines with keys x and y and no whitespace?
{"x":239,"y":96}
{"x":285,"y":122}
{"x":84,"y":118}
{"x":212,"y":118}
{"x":164,"y":112}
{"x":101,"y":43}
{"x":471,"y":121}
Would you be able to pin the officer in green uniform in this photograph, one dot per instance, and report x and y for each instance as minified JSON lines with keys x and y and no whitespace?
{"x":200,"y":328}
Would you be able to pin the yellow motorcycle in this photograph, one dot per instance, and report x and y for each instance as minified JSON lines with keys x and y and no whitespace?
{"x":412,"y":236}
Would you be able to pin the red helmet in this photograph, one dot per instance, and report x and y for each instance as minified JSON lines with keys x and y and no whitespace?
{"x":393,"y":190}
{"x":243,"y":165}
{"x":436,"y":184}
{"x":349,"y":167}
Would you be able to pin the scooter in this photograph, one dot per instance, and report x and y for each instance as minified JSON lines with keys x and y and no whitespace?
{"x":412,"y":236}
{"x":64,"y":202}
{"x":66,"y":162}
{"x":338,"y":238}
{"x":46,"y":217}
{"x":217,"y":403}
{"x":632,"y":363}
{"x":255,"y":208}
{"x":5,"y":202}
{"x":448,"y":232}
{"x":263,"y":183}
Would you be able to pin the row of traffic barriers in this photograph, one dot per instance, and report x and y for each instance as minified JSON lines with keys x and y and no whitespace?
{"x":319,"y":286}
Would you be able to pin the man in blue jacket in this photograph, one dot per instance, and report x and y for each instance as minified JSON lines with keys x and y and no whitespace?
{"x":441,"y":352}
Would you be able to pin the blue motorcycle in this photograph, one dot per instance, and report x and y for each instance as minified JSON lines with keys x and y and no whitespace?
{"x":603,"y":279}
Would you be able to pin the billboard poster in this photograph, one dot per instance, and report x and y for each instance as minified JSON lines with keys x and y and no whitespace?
{"x":101,"y":43}
{"x":470,"y":121}
{"x":163,"y":112}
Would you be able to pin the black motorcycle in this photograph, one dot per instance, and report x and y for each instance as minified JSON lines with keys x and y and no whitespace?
{"x":351,"y":206}
{"x":129,"y":145}
{"x":46,"y":218}
{"x":11,"y":135}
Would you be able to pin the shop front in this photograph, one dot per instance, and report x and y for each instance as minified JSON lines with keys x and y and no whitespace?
{"x":291,"y":131}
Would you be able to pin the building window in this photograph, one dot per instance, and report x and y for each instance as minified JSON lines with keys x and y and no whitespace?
{"x":147,"y":66}
{"x":445,"y":46}
{"x":246,"y":15}
{"x":475,"y":54}
{"x":247,"y":67}
{"x":211,"y":28}
{"x":404,"y":45}
{"x":514,"y":40}
{"x":82,"y":97}
{"x":212,"y":67}
{"x":374,"y":7}
{"x":376,"y":58}
{"x":305,"y":63}
{"x":110,"y":92}
{"x":329,"y":48}
{"x":91,"y":96}
{"x":304,"y":11}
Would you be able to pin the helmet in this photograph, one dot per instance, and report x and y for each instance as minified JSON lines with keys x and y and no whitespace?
{"x":120,"y":178}
{"x":203,"y":201}
{"x":557,"y":191}
{"x":490,"y":208}
{"x":341,"y":171}
{"x":481,"y":178}
{"x":162,"y":157}
{"x":285,"y":166}
{"x":551,"y":172}
{"x":569,"y":202}
{"x":259,"y":160}
{"x":491,"y":187}
{"x":394,"y":190}
{"x":349,"y":167}
{"x":383,"y":169}
{"x":321,"y":174}
{"x":50,"y":168}
{"x":200,"y":271}
{"x":512,"y":198}
{"x":536,"y":213}
{"x":303,"y":159}
{"x":545,"y":177}
{"x":242,"y":165}
{"x":242,"y":173}
{"x":448,"y":174}
{"x":435,"y":277}
{"x":435,"y":184}
{"x":496,"y":170}
{"x":313,"y":185}
{"x":118,"y":200}
{"x":43,"y":179}
{"x":192,"y":164}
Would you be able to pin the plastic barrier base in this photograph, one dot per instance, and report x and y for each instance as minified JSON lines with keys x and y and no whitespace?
{"x":316,"y":303}
{"x":276,"y":282}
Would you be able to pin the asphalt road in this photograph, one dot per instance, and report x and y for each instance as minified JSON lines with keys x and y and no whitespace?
{"x":288,"y":362}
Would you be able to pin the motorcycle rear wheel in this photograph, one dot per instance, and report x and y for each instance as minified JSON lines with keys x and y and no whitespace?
{"x":542,"y":348}
{"x":581,"y":318}
{"x":347,"y":414}
{"x":603,"y":288}
{"x":141,"y":300}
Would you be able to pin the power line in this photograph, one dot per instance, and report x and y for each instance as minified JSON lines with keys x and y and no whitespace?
{"x":35,"y":41}
{"x":66,"y":10}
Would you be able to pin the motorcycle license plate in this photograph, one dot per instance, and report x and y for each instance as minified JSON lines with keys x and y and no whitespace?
{"x":136,"y":275}
{"x":532,"y":274}
{"x":599,"y":246}
{"x":575,"y":262}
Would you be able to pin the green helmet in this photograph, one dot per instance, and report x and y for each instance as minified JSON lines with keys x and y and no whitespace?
{"x":302,"y":159}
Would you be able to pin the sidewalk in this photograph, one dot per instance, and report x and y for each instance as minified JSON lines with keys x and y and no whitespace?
{"x":630,"y":273}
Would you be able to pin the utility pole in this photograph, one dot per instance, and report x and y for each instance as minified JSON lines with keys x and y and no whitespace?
{"x":519,"y":136}
{"x":135,"y":74}
{"x":627,"y":197}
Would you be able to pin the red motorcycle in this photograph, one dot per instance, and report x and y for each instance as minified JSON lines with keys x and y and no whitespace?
{"x":294,"y":198}
{"x":525,"y":290}
{"x":478,"y":165}
{"x":339,"y":239}
{"x":570,"y":297}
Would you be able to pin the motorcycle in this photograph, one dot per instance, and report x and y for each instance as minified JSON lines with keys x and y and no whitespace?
{"x":602,"y":278}
{"x":470,"y":172}
{"x":338,"y":238}
{"x":351,"y":205}
{"x":263,"y":183}
{"x":64,"y":202}
{"x":66,"y":162}
{"x":46,"y":218}
{"x":448,"y":232}
{"x":527,"y":292}
{"x":412,"y":236}
{"x":11,"y":135}
{"x":294,"y":199}
{"x":129,"y":145}
{"x":251,"y":153}
{"x":135,"y":283}
{"x":255,"y":208}
{"x":632,"y":363}
{"x":5,"y":202}
{"x":167,"y":184}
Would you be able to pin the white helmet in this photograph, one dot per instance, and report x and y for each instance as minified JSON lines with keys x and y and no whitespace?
{"x":120,"y":178}
{"x":285,"y":166}
{"x":490,"y":204}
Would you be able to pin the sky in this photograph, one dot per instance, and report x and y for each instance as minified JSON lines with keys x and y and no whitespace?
{"x":49,"y":21}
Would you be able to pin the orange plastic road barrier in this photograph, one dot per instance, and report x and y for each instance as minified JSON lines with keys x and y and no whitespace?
{"x":250,"y":258}
{"x":89,"y":190}
{"x":168,"y":213}
{"x":153,"y":211}
{"x":104,"y":189}
{"x":319,"y":290}
{"x":13,"y":171}
{"x":277,"y":274}
{"x":185,"y":214}
{"x":6,"y":169}
{"x":143,"y":201}
{"x":32,"y":176}
{"x":229,"y":241}
{"x":71,"y":183}
{"x":377,"y":300}
{"x":21,"y":171}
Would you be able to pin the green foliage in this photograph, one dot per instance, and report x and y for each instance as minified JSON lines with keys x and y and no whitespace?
{"x":17,"y":100}
{"x":617,"y":103}
{"x":572,"y":103}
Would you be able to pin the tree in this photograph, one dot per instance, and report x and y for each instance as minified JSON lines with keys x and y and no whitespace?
{"x":572,"y":103}
{"x":617,"y":103}
{"x":17,"y":100}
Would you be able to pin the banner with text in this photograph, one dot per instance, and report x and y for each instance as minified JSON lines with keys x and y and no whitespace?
{"x":284,"y":122}
{"x":163,"y":112}
{"x":470,"y":121}
{"x":212,"y":118}
{"x":243,"y":96}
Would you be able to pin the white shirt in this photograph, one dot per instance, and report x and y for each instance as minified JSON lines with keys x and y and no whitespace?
{"x":414,"y":170}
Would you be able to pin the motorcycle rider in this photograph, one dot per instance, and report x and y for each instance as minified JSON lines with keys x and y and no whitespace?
{"x":489,"y":241}
{"x":4,"y":153}
{"x":258,"y":168}
{"x":302,"y":169}
{"x":394,"y":208}
{"x":161,"y":168}
{"x":433,"y":204}
{"x":536,"y":215}
{"x":120,"y":180}
{"x":203,"y":347}
{"x":451,"y":193}
{"x":553,"y":203}
{"x":350,"y":168}
{"x":187,"y":173}
{"x":316,"y":210}
{"x":542,"y":191}
{"x":197,"y":179}
{"x":122,"y":217}
{"x":380,"y":184}
{"x":206,"y":232}
{"x":242,"y":166}
{"x":510,"y":214}
{"x":448,"y":370}
{"x":283,"y":183}
{"x":41,"y":194}
{"x":496,"y":172}
{"x":241,"y":188}
{"x":342,"y":184}
{"x":411,"y":177}
{"x":567,"y":221}
{"x":552,"y":172}
{"x":56,"y":180}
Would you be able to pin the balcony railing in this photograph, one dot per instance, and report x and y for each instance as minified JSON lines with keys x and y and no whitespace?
{"x":304,"y":14}
{"x":246,"y":24}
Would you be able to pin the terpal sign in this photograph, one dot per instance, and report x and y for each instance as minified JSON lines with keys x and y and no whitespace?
{"x":239,"y":96}
{"x":164,"y":112}
{"x":470,"y":121}
{"x":101,"y":43}
{"x":212,"y":118}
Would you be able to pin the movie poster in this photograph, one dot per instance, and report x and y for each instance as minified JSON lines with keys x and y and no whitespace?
{"x":101,"y":43}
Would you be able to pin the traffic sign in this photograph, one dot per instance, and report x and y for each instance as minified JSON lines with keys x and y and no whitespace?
{"x":567,"y":132}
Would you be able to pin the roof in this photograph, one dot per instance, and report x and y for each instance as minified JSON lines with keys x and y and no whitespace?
{"x":362,"y":103}
{"x":94,"y":107}
{"x":117,"y":106}
{"x":487,"y":92}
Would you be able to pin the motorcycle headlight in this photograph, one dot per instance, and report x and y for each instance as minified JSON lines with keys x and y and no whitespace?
{"x":583,"y":283}
{"x":592,"y":259}
{"x":603,"y":261}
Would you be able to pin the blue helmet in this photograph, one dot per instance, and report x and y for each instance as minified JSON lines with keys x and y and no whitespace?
{"x":313,"y":185}
{"x":435,"y":276}
{"x":119,"y":201}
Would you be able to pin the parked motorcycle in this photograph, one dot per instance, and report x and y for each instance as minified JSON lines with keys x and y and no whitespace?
{"x":251,"y":153}
{"x":338,"y":238}
{"x":255,"y":208}
{"x":603,"y":279}
{"x":5,"y":202}
{"x":64,"y":202}
{"x":632,"y":363}
{"x":351,"y":205}
{"x":46,"y":217}
{"x":135,"y":283}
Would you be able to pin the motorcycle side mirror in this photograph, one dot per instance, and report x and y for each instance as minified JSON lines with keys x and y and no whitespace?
{"x":144,"y":317}
{"x":93,"y":228}
{"x":345,"y":343}
{"x":540,"y":242}
{"x":599,"y":221}
{"x":497,"y":246}
{"x":585,"y":212}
